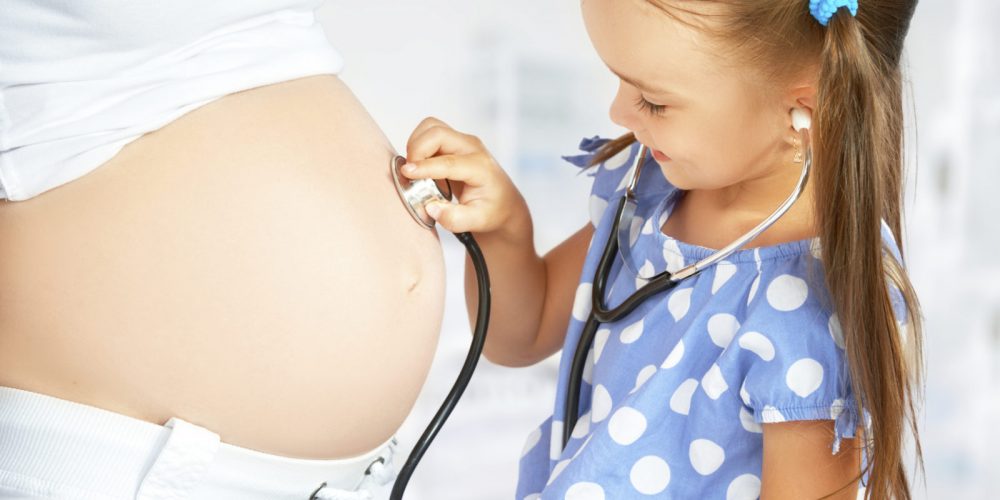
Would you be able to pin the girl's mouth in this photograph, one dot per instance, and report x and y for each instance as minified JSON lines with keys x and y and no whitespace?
{"x":659,"y":155}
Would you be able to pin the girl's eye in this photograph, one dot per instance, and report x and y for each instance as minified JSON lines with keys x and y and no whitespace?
{"x":648,"y":107}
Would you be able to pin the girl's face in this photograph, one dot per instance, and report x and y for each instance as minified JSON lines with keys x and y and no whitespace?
{"x":706,"y":122}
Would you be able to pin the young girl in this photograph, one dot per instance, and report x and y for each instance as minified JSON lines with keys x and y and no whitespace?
{"x":745,"y":379}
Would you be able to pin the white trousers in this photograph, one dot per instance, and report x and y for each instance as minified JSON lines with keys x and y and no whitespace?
{"x":55,"y":449}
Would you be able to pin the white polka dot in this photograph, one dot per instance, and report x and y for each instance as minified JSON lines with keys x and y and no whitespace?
{"x":650,"y":475}
{"x":771,"y":415}
{"x":583,"y":301}
{"x":585,"y":491}
{"x":675,"y":355}
{"x":804,"y":376}
{"x":619,"y":160}
{"x":680,"y":401}
{"x":534,"y":496}
{"x":679,"y":303}
{"x":632,"y":332}
{"x":531,"y":441}
{"x":753,"y":289}
{"x":600,"y":338}
{"x":555,"y":440}
{"x":745,"y":487}
{"x":582,"y":426}
{"x":758,"y":344}
{"x":588,"y":366}
{"x":836,"y":408}
{"x":723,"y":271}
{"x":557,"y":470}
{"x":597,"y":207}
{"x":787,"y":292}
{"x":626,"y":425}
{"x":633,"y":231}
{"x":601,"y":403}
{"x":861,"y":493}
{"x":744,"y":395}
{"x":644,"y":374}
{"x":746,"y":419}
{"x":645,"y":272}
{"x":647,"y":228}
{"x":706,"y":456}
{"x":835,"y":331}
{"x":672,"y":255}
{"x":713,"y":383}
{"x":722,"y":327}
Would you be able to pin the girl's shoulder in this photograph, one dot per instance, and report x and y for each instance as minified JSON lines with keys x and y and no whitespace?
{"x":611,"y":175}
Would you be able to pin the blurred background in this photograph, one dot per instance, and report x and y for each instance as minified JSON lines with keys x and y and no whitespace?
{"x":522,"y":76}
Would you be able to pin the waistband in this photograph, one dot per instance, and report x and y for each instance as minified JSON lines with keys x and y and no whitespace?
{"x":59,"y":449}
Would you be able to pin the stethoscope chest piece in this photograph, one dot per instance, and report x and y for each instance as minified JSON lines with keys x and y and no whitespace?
{"x":417,"y":193}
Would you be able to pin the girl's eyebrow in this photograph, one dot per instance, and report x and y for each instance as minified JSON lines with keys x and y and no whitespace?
{"x":640,"y":85}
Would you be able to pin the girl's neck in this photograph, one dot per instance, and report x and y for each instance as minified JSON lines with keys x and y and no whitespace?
{"x":714,"y":218}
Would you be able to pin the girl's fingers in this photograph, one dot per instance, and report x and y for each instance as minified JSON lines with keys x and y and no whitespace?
{"x":436,"y":140}
{"x":471,"y":169}
{"x":425,"y":124}
{"x":454,"y":217}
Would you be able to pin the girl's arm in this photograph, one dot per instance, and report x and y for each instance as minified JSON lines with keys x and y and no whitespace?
{"x":532,"y":296}
{"x":798,"y":463}
{"x":526,"y":328}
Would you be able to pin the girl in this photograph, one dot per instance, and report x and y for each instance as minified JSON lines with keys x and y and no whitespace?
{"x":780,"y":372}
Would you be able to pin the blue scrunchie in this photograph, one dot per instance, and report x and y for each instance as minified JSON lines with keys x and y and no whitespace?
{"x":823,"y":10}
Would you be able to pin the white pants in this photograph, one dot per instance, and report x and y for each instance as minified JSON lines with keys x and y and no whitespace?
{"x":55,"y":449}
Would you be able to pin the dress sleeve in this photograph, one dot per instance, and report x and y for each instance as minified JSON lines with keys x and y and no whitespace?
{"x":789,"y":352}
{"x":609,"y":176}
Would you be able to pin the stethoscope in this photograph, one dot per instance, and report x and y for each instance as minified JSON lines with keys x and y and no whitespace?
{"x":618,"y":239}
{"x":417,"y":193}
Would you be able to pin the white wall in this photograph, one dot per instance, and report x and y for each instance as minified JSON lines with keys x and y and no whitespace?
{"x":522,"y":76}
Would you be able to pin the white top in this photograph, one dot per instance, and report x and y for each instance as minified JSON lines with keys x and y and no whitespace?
{"x":80,"y":79}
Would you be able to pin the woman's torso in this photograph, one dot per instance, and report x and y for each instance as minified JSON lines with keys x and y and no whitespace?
{"x":249,"y":267}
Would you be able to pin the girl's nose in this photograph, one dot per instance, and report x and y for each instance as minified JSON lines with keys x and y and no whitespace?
{"x":622,"y":112}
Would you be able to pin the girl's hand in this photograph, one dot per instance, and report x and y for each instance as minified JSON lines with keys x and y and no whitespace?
{"x":487,"y":198}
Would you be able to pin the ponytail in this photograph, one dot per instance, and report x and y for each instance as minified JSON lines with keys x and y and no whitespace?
{"x":858,"y":150}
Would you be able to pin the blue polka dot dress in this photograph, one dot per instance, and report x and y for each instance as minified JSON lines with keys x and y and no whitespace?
{"x":674,"y":395}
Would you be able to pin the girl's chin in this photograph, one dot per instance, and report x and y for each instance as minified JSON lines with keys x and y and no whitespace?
{"x":675,"y":177}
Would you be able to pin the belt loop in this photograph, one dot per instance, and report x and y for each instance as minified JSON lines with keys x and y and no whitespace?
{"x":181,"y":463}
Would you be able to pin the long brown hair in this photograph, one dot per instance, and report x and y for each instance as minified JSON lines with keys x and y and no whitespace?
{"x":858,"y":180}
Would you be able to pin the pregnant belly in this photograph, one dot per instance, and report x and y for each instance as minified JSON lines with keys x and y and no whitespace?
{"x":249,"y":268}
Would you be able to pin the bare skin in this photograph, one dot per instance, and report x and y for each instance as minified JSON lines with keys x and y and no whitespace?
{"x":249,"y":268}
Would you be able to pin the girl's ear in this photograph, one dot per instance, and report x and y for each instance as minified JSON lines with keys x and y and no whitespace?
{"x":802,"y":97}
{"x":807,"y":102}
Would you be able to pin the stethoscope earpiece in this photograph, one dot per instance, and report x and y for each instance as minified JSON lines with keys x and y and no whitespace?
{"x":801,"y":119}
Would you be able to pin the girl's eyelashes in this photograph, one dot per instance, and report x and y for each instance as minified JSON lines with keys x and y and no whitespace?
{"x":648,"y":107}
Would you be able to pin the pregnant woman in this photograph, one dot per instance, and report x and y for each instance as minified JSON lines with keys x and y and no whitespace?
{"x":209,"y":287}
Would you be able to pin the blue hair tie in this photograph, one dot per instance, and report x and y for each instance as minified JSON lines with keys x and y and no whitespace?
{"x":823,"y":10}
